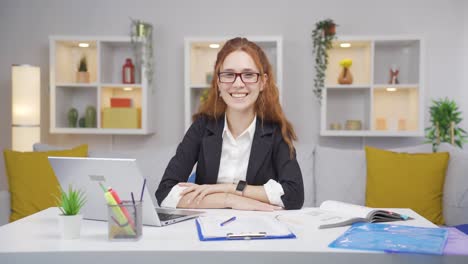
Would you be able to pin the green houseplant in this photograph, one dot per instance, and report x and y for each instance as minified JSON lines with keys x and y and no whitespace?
{"x":83,"y":66}
{"x":82,"y":76}
{"x":322,"y":37}
{"x":445,"y":120}
{"x":70,"y":204}
{"x":141,"y":36}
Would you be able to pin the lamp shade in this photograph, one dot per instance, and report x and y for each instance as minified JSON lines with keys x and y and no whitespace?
{"x":26,"y":103}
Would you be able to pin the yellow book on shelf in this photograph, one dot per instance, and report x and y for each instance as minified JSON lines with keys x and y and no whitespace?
{"x":121,"y":117}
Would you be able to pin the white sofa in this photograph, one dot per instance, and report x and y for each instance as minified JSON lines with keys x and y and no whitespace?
{"x":328,"y":173}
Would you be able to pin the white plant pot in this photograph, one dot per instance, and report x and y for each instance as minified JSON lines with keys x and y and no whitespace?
{"x":70,"y":225}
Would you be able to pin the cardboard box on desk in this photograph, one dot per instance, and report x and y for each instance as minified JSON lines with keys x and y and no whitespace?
{"x":121,"y":117}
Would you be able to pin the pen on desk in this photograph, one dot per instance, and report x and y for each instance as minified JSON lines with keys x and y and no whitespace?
{"x":133,"y":198}
{"x":142,"y":190}
{"x":228,"y":221}
{"x":134,"y":206}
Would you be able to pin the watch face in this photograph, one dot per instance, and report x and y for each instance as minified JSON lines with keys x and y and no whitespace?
{"x":241,"y":186}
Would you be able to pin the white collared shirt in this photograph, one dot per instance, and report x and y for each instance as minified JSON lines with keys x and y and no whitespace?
{"x":233,"y":165}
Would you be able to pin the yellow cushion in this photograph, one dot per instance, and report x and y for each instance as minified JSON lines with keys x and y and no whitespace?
{"x":403,"y":180}
{"x":33,"y":185}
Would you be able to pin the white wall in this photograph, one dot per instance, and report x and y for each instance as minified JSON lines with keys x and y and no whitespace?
{"x":464,"y":85}
{"x":26,"y":25}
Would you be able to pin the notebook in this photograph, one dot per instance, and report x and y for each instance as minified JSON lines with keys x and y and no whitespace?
{"x":124,"y":176}
{"x":243,"y":227}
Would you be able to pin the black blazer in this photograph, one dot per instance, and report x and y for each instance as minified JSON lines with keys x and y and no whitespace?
{"x":269,"y":159}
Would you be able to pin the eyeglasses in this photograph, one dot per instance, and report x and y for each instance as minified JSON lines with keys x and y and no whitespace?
{"x":246,"y":77}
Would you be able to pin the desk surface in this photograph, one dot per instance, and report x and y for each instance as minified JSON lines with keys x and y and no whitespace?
{"x":37,"y":238}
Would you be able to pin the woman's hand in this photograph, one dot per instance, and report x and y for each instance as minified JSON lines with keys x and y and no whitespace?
{"x":200,"y":191}
{"x":242,"y":203}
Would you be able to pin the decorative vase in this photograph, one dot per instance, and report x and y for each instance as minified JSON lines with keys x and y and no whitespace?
{"x":72,"y":117}
{"x":70,"y":226}
{"x":353,"y":125}
{"x":128,"y":72}
{"x":90,"y":116}
{"x":82,"y":77}
{"x":345,"y":76}
{"x":394,"y":70}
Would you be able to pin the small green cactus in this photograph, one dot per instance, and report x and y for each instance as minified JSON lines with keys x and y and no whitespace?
{"x":72,"y":117}
{"x":90,"y":116}
{"x":81,"y":122}
{"x":83,"y":66}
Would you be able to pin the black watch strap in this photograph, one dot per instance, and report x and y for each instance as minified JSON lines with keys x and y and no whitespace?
{"x":241,"y":186}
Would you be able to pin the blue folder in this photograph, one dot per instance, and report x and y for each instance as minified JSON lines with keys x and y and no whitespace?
{"x":241,"y":235}
{"x":393,"y":238}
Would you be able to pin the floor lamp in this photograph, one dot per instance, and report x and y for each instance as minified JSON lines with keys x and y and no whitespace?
{"x":26,"y":106}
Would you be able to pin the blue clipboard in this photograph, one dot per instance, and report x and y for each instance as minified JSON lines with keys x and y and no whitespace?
{"x":241,"y":236}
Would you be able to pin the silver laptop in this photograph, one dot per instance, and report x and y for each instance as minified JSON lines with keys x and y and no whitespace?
{"x":123,"y":176}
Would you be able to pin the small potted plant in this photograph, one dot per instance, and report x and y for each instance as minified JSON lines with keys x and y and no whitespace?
{"x":70,"y":204}
{"x":445,"y":120}
{"x":322,"y":36}
{"x":82,"y":76}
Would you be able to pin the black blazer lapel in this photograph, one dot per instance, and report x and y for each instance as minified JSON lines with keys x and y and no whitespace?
{"x":212,"y":145}
{"x":261,"y":146}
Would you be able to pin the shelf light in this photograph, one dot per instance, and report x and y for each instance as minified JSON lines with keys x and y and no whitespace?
{"x":83,"y":45}
{"x":128,"y":89}
{"x":391,"y":89}
{"x":345,"y":45}
{"x":214,"y":45}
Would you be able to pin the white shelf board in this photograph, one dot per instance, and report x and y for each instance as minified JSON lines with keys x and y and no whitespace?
{"x":102,"y":131}
{"x":348,"y":86}
{"x":76,"y":85}
{"x":121,"y":85}
{"x":398,"y":86}
{"x":199,"y":86}
{"x":370,"y":133}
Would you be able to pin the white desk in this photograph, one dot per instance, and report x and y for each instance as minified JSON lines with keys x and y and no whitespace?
{"x":36,"y":239}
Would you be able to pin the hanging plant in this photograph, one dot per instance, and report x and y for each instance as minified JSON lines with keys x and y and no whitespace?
{"x":322,"y":36}
{"x":141,"y":34}
{"x":445,"y":120}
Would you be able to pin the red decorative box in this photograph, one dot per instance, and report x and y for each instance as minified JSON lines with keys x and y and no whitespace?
{"x":121,"y":102}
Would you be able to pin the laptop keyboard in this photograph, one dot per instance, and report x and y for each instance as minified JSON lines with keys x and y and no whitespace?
{"x":165,"y":217}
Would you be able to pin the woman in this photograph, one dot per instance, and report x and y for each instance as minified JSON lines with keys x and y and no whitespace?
{"x":240,"y":141}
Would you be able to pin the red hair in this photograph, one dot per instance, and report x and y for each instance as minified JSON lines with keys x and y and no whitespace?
{"x":267,"y":106}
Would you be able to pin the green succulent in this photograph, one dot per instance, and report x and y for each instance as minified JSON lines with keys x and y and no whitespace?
{"x":71,"y":202}
{"x":83,"y":66}
{"x":445,"y":114}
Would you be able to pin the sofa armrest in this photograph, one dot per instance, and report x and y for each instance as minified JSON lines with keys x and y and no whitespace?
{"x":4,"y":207}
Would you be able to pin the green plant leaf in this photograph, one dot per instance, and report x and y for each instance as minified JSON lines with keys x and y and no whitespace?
{"x":71,"y":202}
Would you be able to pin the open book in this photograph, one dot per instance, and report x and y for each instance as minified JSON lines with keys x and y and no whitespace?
{"x":334,"y":214}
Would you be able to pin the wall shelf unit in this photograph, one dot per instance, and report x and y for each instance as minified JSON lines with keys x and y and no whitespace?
{"x":381,"y":108}
{"x":105,"y":58}
{"x":200,"y":60}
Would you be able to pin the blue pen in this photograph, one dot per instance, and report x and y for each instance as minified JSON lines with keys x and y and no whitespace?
{"x":228,"y":221}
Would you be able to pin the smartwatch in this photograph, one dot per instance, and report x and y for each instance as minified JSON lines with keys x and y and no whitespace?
{"x":241,"y":186}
